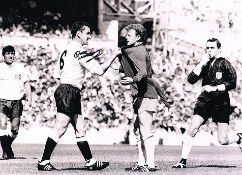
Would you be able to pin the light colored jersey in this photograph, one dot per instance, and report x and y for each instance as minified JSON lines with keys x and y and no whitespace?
{"x":12,"y":78}
{"x":73,"y":65}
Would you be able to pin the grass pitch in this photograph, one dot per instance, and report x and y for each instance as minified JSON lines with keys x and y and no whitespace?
{"x":67,"y":159}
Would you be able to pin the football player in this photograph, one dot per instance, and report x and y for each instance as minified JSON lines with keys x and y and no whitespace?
{"x":74,"y":62}
{"x":13,"y":78}
{"x":136,"y":66}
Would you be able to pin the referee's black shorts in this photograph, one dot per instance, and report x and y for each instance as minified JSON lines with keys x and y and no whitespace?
{"x":68,"y":99}
{"x":215,"y":106}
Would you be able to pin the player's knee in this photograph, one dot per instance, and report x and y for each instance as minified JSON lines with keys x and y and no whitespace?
{"x":192,"y":131}
{"x":61,"y":131}
{"x":3,"y":126}
{"x":147,"y":135}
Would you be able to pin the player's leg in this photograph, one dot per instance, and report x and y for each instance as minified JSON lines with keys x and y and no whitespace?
{"x":17,"y":109}
{"x":145,"y":109}
{"x":83,"y":145}
{"x":147,"y":137}
{"x":197,"y":121}
{"x":3,"y":135}
{"x":81,"y":140}
{"x":142,"y":154}
{"x":65,"y":100}
{"x":62,"y":122}
{"x":4,"y":110}
{"x":143,"y":128}
{"x":140,"y":145}
{"x":221,"y":117}
{"x":224,"y":136}
{"x":3,"y":121}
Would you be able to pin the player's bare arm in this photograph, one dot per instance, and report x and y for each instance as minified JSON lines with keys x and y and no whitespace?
{"x":28,"y":93}
{"x":108,"y":63}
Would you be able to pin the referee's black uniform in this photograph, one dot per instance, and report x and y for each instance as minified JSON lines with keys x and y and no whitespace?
{"x":215,"y":104}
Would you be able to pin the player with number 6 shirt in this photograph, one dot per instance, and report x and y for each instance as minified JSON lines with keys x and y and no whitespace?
{"x":74,"y":62}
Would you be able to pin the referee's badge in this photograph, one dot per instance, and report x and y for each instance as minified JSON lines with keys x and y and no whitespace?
{"x":218,"y":75}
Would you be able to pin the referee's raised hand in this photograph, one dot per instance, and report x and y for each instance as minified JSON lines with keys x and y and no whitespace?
{"x":204,"y":60}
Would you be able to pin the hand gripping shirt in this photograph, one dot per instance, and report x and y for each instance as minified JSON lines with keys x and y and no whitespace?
{"x":73,"y":64}
{"x":12,"y":78}
{"x":135,"y":63}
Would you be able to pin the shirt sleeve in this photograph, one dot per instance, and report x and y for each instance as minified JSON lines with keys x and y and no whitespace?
{"x":57,"y":69}
{"x":24,"y":74}
{"x":91,"y":65}
{"x":193,"y":78}
{"x":196,"y":75}
{"x":231,"y":77}
{"x":139,"y":61}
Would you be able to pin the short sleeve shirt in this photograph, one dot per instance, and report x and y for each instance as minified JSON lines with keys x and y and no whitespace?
{"x":12,"y":78}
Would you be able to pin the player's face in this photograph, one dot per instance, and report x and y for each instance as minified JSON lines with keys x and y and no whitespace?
{"x":84,"y":35}
{"x":212,"y":49}
{"x":131,"y":37}
{"x":9,"y":57}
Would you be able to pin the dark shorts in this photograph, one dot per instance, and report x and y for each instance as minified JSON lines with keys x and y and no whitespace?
{"x":217,"y":108}
{"x":68,"y":99}
{"x":11,"y":108}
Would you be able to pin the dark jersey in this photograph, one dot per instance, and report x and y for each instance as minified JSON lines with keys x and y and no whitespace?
{"x":135,"y":63}
{"x":221,"y":72}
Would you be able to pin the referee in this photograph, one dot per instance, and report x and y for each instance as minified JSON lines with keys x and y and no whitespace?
{"x":218,"y":77}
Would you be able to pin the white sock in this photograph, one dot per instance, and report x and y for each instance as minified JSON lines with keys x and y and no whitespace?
{"x":187,"y":146}
{"x":141,"y":152}
{"x":90,"y":162}
{"x":44,"y":162}
{"x":150,"y":151}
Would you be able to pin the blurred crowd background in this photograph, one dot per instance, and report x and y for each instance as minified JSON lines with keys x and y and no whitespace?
{"x":106,"y":103}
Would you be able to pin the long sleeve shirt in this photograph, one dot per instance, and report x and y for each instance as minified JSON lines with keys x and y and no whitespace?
{"x":135,"y":63}
{"x":73,"y":65}
{"x":221,"y":72}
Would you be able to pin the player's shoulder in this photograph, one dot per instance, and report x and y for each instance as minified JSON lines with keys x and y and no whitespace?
{"x":74,"y":49}
{"x":224,"y":60}
{"x":226,"y":63}
{"x":75,"y":46}
{"x":19,"y":66}
{"x":2,"y":65}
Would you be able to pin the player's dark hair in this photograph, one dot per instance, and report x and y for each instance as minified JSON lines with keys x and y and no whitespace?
{"x":8,"y":49}
{"x":78,"y":26}
{"x":139,"y":29}
{"x":215,"y":40}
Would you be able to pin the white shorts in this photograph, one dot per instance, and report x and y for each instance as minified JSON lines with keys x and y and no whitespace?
{"x":148,"y":104}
